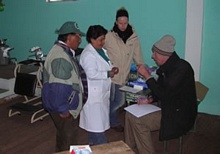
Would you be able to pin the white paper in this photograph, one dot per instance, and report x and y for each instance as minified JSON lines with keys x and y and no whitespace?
{"x":138,"y":87}
{"x":129,"y":89}
{"x":141,"y":110}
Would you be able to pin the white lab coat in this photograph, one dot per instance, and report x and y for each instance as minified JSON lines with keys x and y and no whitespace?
{"x":94,"y":116}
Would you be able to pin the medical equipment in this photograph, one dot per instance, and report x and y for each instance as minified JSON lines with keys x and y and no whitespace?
{"x":38,"y":53}
{"x":26,"y":85}
{"x":4,"y":53}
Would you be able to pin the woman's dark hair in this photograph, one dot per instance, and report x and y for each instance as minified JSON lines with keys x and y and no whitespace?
{"x":94,"y":32}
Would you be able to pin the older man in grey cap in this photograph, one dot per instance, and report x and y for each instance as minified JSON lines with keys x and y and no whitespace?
{"x":62,"y":92}
{"x":175,"y":93}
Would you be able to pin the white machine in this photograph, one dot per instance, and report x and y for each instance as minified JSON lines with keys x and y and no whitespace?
{"x":4,"y":52}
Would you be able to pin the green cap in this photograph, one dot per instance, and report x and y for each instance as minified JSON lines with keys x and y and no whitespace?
{"x":69,"y":27}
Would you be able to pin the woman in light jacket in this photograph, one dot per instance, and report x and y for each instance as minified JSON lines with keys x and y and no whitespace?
{"x":123,"y":47}
{"x":94,"y":116}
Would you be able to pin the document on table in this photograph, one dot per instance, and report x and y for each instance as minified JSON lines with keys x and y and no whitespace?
{"x":129,"y":89}
{"x":141,"y":110}
{"x":82,"y":149}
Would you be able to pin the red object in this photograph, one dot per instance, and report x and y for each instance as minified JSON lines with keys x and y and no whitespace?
{"x":72,"y":152}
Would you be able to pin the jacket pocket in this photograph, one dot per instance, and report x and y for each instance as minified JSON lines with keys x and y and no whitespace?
{"x":95,"y":95}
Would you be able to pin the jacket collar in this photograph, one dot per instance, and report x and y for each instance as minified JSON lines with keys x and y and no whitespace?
{"x":169,"y":64}
{"x":124,"y":35}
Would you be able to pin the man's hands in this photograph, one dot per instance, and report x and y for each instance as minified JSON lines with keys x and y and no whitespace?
{"x":66,"y":115}
{"x":143,"y":71}
{"x":144,"y":100}
{"x":114,"y":71}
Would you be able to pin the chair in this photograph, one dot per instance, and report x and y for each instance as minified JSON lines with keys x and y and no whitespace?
{"x":180,"y":146}
{"x":201,"y":91}
{"x":25,"y":85}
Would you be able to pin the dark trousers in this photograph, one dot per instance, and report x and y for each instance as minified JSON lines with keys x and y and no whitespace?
{"x":97,"y":138}
{"x":66,"y":134}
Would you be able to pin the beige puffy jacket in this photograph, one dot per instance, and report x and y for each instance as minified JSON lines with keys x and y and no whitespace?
{"x":122,"y":55}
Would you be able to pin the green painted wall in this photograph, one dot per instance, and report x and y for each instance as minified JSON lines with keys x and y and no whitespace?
{"x":210,"y":71}
{"x":28,"y":23}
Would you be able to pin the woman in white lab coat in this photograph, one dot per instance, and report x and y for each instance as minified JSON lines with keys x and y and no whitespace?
{"x":94,"y":116}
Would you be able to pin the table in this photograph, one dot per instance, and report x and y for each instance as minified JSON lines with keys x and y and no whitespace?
{"x":118,"y":147}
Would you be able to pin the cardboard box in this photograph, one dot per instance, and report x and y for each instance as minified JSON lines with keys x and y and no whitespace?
{"x":201,"y":91}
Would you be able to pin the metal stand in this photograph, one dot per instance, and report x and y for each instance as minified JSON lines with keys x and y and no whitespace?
{"x":35,"y":109}
{"x":165,"y":151}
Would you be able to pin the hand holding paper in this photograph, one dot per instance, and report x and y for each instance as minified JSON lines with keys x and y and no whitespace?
{"x":144,"y":100}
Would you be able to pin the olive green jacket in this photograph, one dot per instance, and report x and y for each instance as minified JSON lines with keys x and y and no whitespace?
{"x":62,"y":87}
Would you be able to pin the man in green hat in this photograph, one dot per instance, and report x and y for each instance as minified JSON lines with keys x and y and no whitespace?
{"x":62,"y":92}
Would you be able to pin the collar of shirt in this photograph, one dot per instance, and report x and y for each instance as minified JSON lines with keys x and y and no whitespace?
{"x":66,"y":45}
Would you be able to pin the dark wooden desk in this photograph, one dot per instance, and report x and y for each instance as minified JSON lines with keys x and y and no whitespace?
{"x":118,"y":147}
